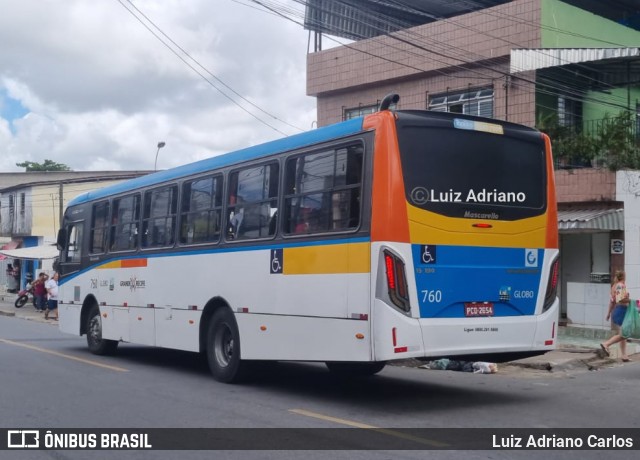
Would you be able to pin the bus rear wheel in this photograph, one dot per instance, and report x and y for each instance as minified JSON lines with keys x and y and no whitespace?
{"x":223,"y":348}
{"x":97,"y":345}
{"x":349,"y":369}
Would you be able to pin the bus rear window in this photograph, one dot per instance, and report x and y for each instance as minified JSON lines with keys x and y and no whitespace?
{"x":473,"y":174}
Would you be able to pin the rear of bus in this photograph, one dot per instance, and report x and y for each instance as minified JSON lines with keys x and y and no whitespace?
{"x":464,"y":238}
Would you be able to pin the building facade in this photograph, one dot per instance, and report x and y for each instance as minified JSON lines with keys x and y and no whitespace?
{"x":31,"y":209}
{"x":570,"y":68}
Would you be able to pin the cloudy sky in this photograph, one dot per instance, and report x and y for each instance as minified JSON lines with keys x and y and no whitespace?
{"x":84,"y":83}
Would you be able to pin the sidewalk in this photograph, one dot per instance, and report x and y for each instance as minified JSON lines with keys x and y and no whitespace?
{"x":577,"y":348}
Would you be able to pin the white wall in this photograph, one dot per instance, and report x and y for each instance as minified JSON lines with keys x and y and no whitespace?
{"x":628,"y":191}
{"x":587,"y":305}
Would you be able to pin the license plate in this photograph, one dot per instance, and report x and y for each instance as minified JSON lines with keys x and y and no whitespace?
{"x":478,"y":309}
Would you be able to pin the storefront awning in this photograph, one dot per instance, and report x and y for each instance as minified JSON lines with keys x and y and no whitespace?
{"x":591,"y":219}
{"x":33,"y":253}
{"x":523,"y":60}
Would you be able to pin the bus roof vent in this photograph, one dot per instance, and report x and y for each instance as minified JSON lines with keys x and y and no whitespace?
{"x":389,"y":99}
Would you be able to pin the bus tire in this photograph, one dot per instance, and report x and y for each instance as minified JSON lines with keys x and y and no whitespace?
{"x":223,"y":348}
{"x":21,"y":301}
{"x":97,"y":345}
{"x":349,"y":369}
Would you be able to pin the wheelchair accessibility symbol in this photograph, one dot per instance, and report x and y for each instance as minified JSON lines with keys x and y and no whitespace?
{"x":530,"y":257}
{"x":428,"y":253}
{"x":277,"y":261}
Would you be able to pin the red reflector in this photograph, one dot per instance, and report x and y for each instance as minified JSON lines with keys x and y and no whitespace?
{"x":400,"y":350}
{"x":393,"y":336}
{"x":125,"y":304}
{"x":554,"y":276}
{"x":482,"y":225}
{"x":243,"y":310}
{"x":391,"y":279}
{"x":548,"y":342}
{"x":553,"y":330}
{"x":402,"y":284}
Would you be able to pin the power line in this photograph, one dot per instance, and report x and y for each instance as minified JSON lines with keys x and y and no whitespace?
{"x":204,"y":77}
{"x":565,"y":90}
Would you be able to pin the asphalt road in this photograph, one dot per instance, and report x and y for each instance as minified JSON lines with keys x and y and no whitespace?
{"x":50,"y":380}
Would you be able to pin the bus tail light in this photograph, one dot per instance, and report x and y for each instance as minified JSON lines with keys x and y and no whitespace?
{"x":552,"y":285}
{"x":396,"y":281}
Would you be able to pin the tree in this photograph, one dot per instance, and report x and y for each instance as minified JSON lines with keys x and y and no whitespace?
{"x":47,"y":165}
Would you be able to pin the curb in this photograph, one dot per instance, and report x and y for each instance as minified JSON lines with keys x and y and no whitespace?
{"x":591,"y":364}
{"x":6,"y":313}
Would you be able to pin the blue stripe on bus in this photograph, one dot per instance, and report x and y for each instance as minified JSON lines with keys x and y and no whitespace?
{"x":447,"y":277}
{"x":316,"y":136}
{"x":226,"y":249}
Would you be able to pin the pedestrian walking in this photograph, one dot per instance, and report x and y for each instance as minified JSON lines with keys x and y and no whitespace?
{"x":618,"y":305}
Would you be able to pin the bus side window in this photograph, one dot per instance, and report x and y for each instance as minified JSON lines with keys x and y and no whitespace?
{"x":74,"y":245}
{"x":159,"y":217}
{"x":253,"y":202}
{"x":201,"y":210}
{"x":124,"y":223}
{"x":99,"y":227}
{"x":322,"y":191}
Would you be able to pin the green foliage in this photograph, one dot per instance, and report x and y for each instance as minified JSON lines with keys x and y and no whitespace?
{"x":47,"y":165}
{"x":619,"y":144}
{"x":613,"y":143}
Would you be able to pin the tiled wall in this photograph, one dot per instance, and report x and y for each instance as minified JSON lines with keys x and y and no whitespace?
{"x":587,"y":305}
{"x":466,"y":51}
{"x":587,"y":184}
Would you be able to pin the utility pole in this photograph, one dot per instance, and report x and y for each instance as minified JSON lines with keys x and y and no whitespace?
{"x":61,"y":205}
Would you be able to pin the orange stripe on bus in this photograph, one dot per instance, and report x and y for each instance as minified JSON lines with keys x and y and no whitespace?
{"x":126,"y":263}
{"x":389,"y":220}
{"x":132,"y":263}
{"x":552,"y":206}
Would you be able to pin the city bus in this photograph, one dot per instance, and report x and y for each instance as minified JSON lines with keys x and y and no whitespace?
{"x":399,"y":234}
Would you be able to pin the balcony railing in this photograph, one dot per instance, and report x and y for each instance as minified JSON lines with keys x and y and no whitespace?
{"x":613,"y":142}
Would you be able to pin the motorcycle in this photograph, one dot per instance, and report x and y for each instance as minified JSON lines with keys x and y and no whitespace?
{"x":23,"y":297}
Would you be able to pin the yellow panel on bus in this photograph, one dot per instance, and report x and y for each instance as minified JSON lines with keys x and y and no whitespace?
{"x":432,"y":228}
{"x":327,"y":259}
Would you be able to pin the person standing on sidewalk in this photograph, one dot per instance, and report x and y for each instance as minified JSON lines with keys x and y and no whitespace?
{"x":52,"y":294}
{"x":617,"y":310}
{"x":40,"y":292}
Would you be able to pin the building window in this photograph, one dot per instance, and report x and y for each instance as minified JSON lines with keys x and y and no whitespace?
{"x":355,"y":112}
{"x":23,"y":204}
{"x":478,"y":102}
{"x":569,"y":112}
{"x":323,"y":190}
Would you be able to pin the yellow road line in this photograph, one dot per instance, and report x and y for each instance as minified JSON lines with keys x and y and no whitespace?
{"x":351,"y":423}
{"x":62,"y":355}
